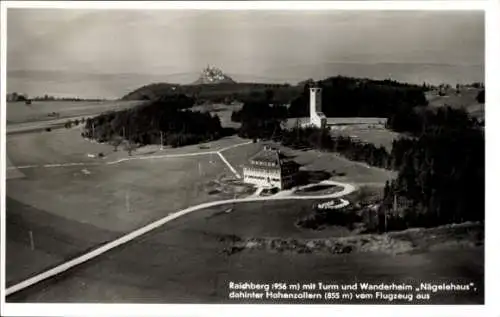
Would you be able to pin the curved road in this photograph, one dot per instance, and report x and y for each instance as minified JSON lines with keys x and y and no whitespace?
{"x":288,"y":195}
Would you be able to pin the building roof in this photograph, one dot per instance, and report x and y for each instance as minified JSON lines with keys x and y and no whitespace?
{"x":267,"y":154}
{"x":270,"y":158}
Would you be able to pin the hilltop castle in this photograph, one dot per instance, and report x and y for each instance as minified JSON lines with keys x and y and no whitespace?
{"x":213,"y":75}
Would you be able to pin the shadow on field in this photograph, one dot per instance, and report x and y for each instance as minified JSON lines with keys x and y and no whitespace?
{"x":310,"y":177}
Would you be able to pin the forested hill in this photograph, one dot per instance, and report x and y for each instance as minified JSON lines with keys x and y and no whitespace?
{"x":219,"y":93}
{"x":152,"y":91}
{"x":355,"y":97}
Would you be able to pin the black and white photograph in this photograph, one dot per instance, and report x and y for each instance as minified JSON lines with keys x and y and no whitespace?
{"x":181,"y":156}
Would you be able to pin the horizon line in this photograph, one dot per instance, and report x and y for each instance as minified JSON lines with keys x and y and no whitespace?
{"x":273,"y":68}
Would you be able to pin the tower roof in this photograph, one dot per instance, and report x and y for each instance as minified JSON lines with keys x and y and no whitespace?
{"x":313,"y":84}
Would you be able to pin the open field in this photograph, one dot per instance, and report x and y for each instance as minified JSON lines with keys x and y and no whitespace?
{"x":19,"y":112}
{"x":154,"y":187}
{"x":376,"y":136}
{"x":57,"y":146}
{"x":466,"y":99}
{"x":113,"y":198}
{"x":223,"y":111}
{"x":184,"y":261}
{"x":67,"y":145}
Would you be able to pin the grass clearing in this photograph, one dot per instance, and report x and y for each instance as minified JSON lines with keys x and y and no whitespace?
{"x":98,"y":194}
{"x":465,"y":99}
{"x":346,"y":170}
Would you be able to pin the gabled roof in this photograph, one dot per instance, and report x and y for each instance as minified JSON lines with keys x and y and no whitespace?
{"x":269,"y":155}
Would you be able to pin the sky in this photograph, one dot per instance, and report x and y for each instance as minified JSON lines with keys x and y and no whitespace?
{"x":239,"y":42}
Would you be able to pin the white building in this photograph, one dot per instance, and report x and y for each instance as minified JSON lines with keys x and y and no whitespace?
{"x":270,"y":168}
{"x":316,"y":117}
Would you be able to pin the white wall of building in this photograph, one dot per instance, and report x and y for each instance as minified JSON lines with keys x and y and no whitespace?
{"x":262,"y":177}
{"x":315,"y":107}
{"x":315,"y":100}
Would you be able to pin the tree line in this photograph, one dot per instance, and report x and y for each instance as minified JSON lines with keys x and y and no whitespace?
{"x":440,"y":180}
{"x":54,"y":98}
{"x":354,"y":97}
{"x":419,"y":121}
{"x":166,"y":120}
{"x":259,"y":119}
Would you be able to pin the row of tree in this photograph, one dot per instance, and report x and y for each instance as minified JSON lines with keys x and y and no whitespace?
{"x":166,"y":120}
{"x":419,"y":121}
{"x":260,"y":119}
{"x":54,"y":98}
{"x":12,"y":97}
